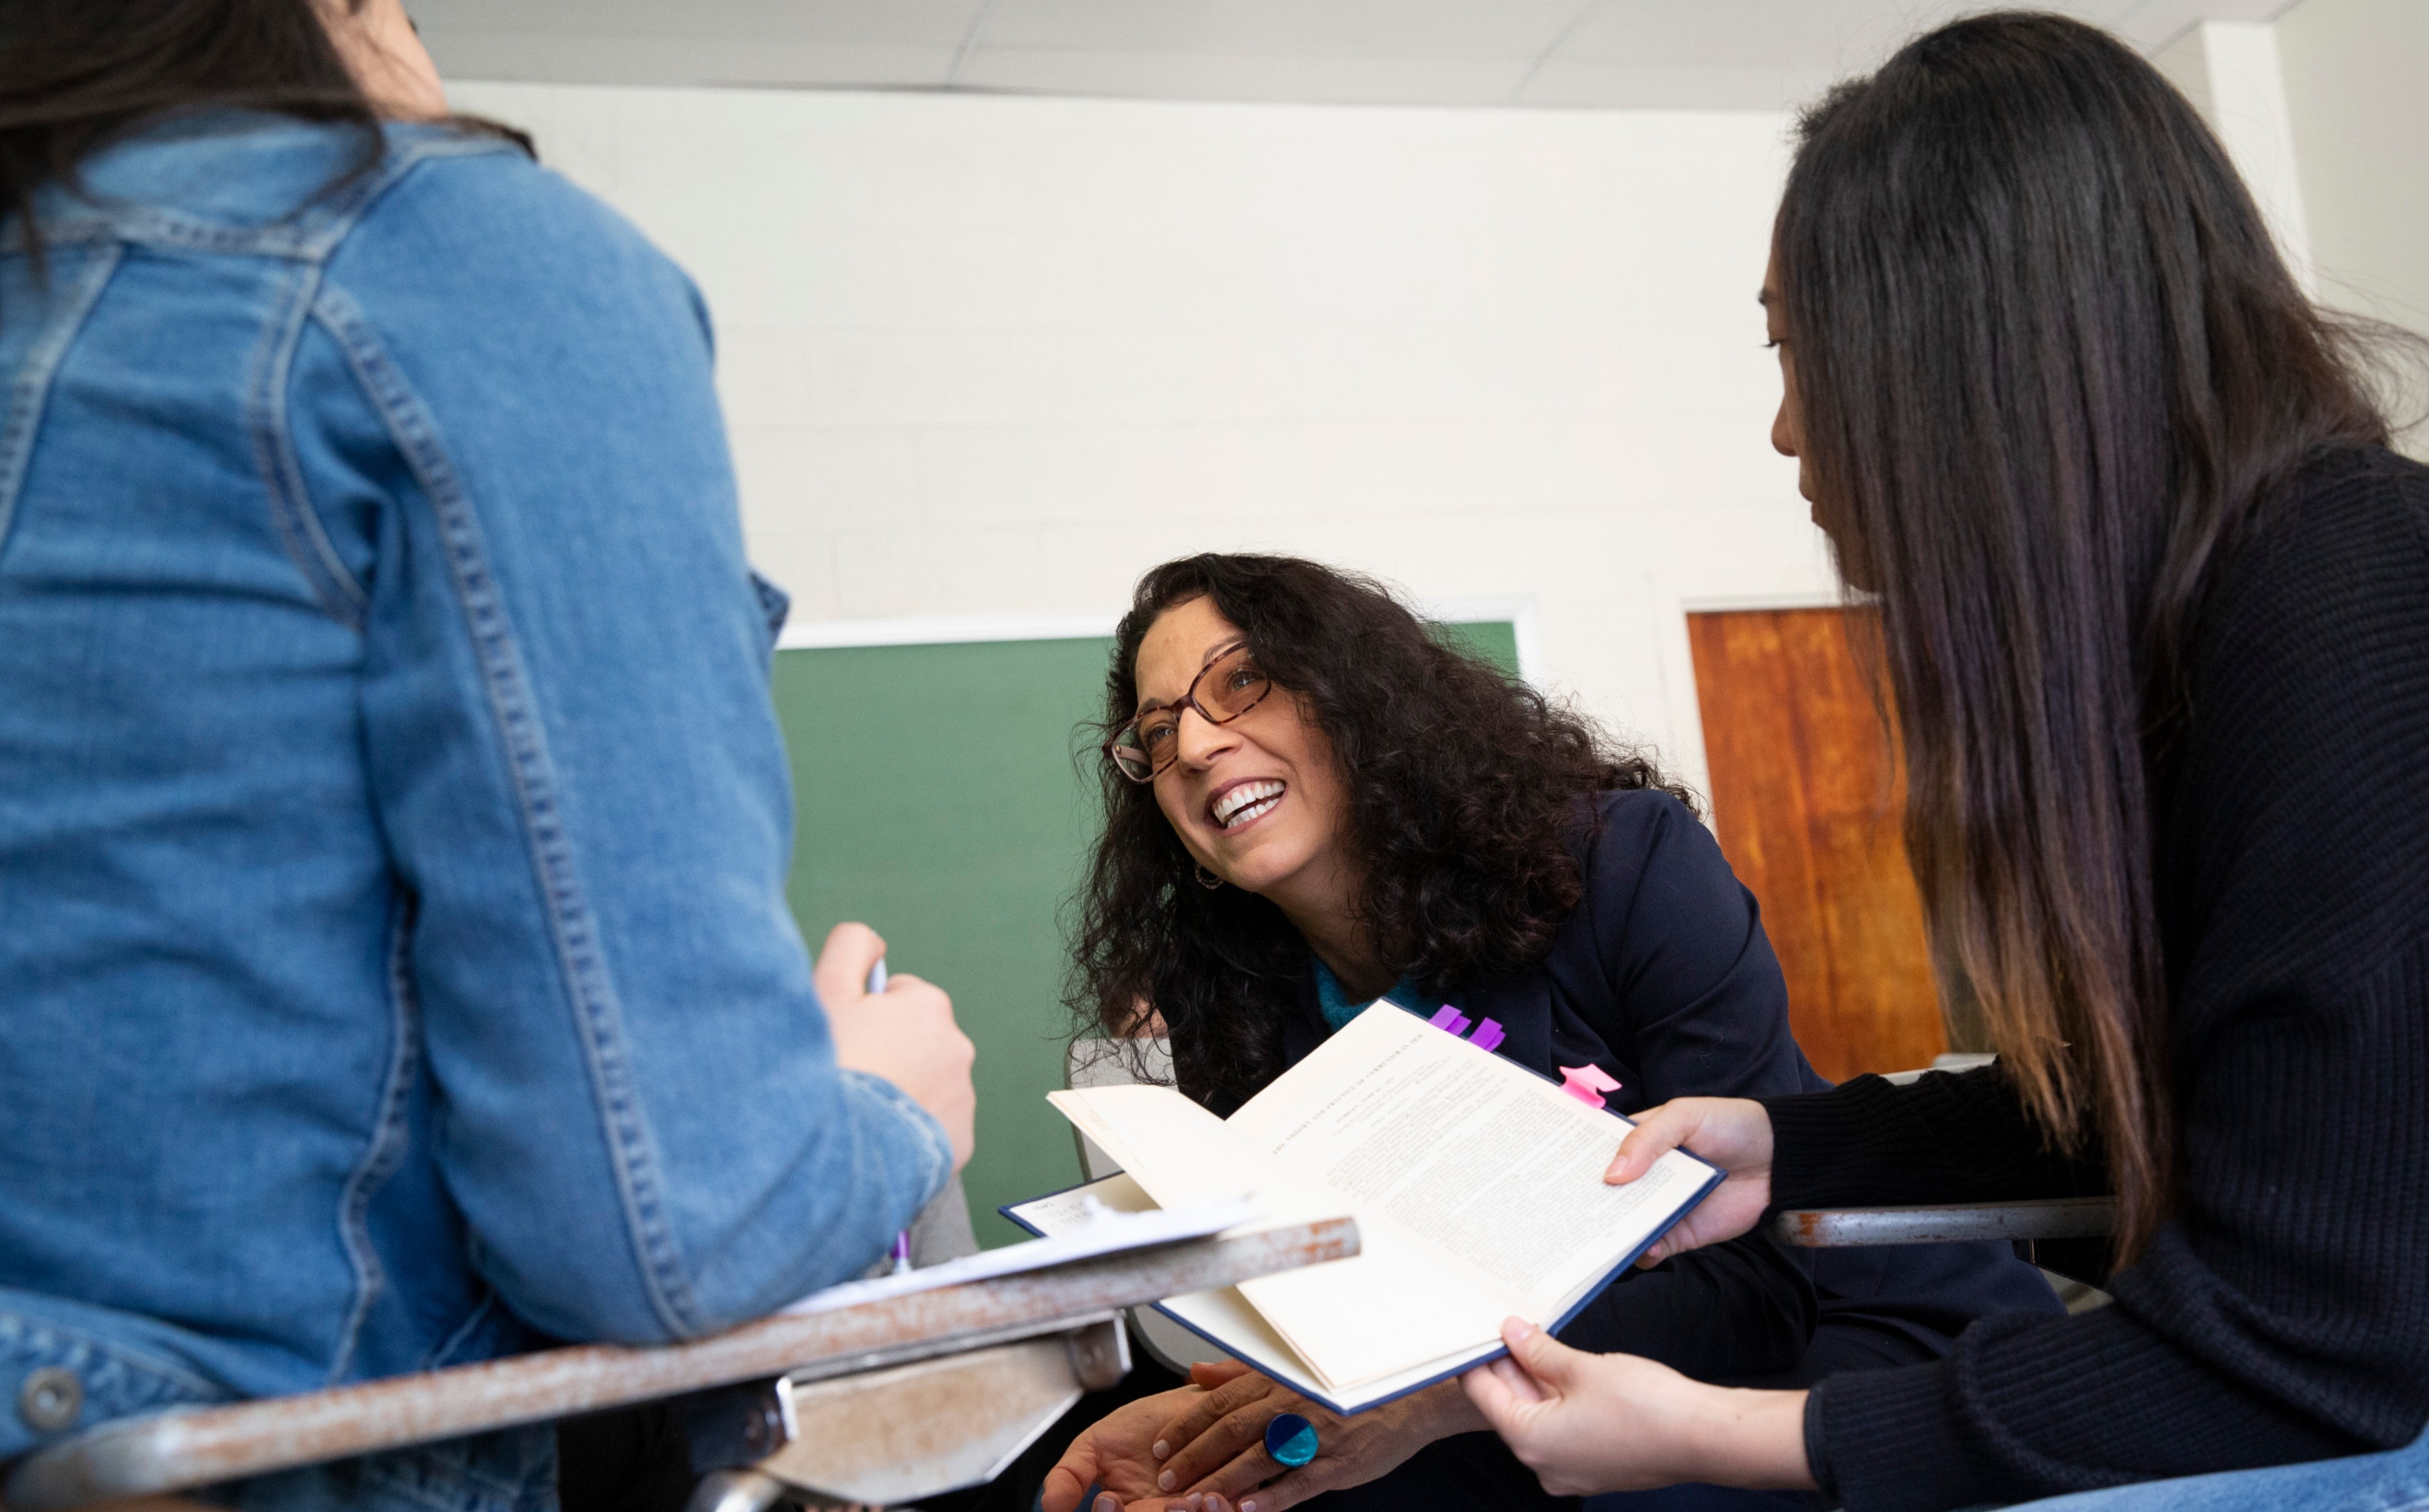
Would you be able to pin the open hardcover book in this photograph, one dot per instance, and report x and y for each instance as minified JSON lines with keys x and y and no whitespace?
{"x":1476,"y":1186}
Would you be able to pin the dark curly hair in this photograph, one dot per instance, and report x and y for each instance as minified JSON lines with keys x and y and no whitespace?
{"x":1463,"y":789}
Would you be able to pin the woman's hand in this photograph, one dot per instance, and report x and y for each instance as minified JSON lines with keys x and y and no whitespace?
{"x":1117,"y":1451}
{"x":905,"y":1034}
{"x":1215,"y":1449}
{"x":1733,"y":1133}
{"x":1585,"y":1422}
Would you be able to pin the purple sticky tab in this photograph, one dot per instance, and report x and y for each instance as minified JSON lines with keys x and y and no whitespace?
{"x":1450,"y":1019}
{"x":1488,"y":1036}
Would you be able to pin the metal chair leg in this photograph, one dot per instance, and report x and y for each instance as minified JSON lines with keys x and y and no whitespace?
{"x":735,"y":1490}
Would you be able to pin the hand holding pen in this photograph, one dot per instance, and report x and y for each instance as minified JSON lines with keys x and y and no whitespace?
{"x":895,"y":1025}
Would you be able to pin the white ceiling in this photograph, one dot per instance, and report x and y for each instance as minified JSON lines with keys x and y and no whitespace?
{"x":1691,"y":54}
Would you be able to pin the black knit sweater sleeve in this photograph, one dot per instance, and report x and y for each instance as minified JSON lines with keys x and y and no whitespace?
{"x":2282,"y":1313}
{"x":1961,"y":1137}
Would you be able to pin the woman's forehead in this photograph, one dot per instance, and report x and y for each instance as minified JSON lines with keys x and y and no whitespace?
{"x":1178,"y":646}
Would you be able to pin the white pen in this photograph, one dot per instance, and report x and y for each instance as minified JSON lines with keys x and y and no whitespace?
{"x":902,"y":1240}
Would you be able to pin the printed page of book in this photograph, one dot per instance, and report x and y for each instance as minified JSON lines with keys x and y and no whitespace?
{"x":1229,"y":1319}
{"x":1497,"y":1170}
{"x":1389,"y":1309}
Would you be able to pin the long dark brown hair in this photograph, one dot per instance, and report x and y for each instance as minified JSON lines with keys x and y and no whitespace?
{"x":76,"y":75}
{"x":1463,"y":787}
{"x":2051,"y":368}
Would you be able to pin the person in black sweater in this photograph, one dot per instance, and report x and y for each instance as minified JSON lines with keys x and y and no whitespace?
{"x":2153,"y":606}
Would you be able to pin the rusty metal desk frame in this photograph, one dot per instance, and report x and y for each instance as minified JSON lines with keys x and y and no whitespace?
{"x":1007,"y":1326}
{"x":1957,"y":1223}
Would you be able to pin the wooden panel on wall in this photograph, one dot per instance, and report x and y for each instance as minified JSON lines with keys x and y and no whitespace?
{"x":1806,"y":799}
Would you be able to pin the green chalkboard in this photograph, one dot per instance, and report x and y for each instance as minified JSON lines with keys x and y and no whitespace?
{"x":936,"y":798}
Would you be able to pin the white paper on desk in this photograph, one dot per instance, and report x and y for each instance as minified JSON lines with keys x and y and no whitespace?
{"x":1109,"y":1232}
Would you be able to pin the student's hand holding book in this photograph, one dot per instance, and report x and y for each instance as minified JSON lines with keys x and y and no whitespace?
{"x":1732,"y":1133}
{"x":1586,"y":1423}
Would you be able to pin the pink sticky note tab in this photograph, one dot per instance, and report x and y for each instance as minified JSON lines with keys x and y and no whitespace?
{"x":1587,"y":1083}
{"x":1488,"y":1035}
{"x":1450,"y":1019}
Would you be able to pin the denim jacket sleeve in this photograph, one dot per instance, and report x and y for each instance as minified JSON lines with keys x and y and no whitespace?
{"x":506,"y":433}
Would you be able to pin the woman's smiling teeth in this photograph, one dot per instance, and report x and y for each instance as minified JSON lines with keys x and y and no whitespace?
{"x":1250,"y":800}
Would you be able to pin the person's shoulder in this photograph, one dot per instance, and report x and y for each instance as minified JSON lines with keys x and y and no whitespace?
{"x":2309,"y":670}
{"x":468,"y":244}
{"x":1662,"y":917}
{"x":2355,"y":518}
{"x":2295,"y":838}
{"x":220,"y":180}
{"x":1642,"y":832}
{"x":492,"y":203}
{"x":2356,"y":497}
{"x":2333,"y":569}
{"x":460,"y":206}
{"x":1638,"y":812}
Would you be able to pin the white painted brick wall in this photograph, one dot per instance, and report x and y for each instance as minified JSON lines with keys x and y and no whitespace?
{"x":996,"y":355}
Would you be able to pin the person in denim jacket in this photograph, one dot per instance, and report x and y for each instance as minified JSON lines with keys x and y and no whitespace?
{"x":395,"y":968}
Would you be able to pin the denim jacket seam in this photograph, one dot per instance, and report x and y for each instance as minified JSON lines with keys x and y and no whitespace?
{"x":82,"y":229}
{"x":309,"y":236}
{"x":31,"y":393}
{"x":298,"y":523}
{"x":395,"y":1474}
{"x":385,"y":1153}
{"x":445,"y":1349}
{"x":531,"y":779}
{"x":39,"y":1333}
{"x":282,"y":470}
{"x":344,"y":211}
{"x":154,"y":226}
{"x":309,"y":233}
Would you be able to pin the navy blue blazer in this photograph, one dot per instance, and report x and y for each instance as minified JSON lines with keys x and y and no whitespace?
{"x":1663,"y":978}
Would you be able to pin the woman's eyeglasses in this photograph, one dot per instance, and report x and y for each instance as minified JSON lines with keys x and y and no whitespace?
{"x":1145,"y":744}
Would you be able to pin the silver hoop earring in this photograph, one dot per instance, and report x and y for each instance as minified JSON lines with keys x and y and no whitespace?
{"x":1205,"y":878}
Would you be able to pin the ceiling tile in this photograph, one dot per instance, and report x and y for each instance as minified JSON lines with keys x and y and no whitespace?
{"x":1693,"y":53}
{"x":553,"y":57}
{"x":1841,"y":35}
{"x":1651,"y":32}
{"x":1313,"y":28}
{"x":2152,"y":25}
{"x":1572,"y":84}
{"x":1225,"y":77}
{"x":780,"y":23}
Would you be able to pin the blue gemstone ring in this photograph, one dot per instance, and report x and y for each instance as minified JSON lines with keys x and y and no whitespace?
{"x":1291,"y":1439}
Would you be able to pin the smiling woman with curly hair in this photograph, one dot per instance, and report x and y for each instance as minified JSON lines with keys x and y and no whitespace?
{"x":1313,"y":801}
{"x":1457,"y":790}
